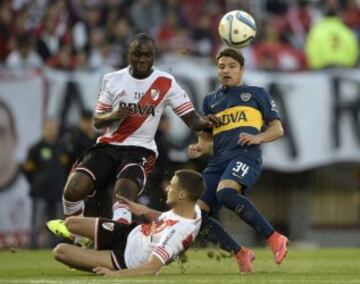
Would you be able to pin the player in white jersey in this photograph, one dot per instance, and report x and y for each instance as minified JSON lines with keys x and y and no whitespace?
{"x":129,"y":107}
{"x":130,"y":249}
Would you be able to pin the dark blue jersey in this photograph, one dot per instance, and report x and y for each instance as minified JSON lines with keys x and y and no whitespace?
{"x":244,"y":109}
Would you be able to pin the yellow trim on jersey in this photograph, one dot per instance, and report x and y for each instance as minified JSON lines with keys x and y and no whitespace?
{"x":239,"y":116}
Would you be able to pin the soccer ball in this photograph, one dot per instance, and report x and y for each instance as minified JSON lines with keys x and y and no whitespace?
{"x":237,"y":28}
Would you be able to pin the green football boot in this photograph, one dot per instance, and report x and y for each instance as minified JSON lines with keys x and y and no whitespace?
{"x":83,"y":242}
{"x":58,"y":228}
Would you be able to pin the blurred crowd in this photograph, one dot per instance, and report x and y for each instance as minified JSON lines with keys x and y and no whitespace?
{"x":92,"y":34}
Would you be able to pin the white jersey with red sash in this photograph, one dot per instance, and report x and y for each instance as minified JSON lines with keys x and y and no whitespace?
{"x":147,"y":99}
{"x":166,"y":238}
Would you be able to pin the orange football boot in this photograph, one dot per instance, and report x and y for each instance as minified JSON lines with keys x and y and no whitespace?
{"x":245,"y":258}
{"x":277,"y":243}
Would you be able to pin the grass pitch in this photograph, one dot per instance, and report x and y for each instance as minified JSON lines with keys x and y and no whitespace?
{"x":325,"y":266}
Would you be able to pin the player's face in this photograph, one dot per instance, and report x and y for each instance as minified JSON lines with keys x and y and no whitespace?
{"x":141,"y":59}
{"x":230,"y":71}
{"x":173,"y":192}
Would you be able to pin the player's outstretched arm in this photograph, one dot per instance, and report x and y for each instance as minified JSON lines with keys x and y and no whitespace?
{"x":150,"y":268}
{"x":198,"y":123}
{"x":273,"y":132}
{"x":139,"y":209}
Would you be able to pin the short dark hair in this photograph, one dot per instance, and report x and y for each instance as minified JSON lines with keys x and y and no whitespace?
{"x":233,"y":53}
{"x":9,"y":113}
{"x":142,"y":38}
{"x":191,"y":182}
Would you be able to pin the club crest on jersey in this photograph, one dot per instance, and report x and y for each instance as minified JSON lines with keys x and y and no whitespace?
{"x":245,"y":97}
{"x":108,"y":226}
{"x":155,"y":94}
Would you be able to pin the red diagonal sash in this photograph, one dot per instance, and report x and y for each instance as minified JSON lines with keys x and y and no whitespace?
{"x":133,"y":123}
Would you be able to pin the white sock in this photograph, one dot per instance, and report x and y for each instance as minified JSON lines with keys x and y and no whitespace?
{"x":121,"y":213}
{"x":73,"y":208}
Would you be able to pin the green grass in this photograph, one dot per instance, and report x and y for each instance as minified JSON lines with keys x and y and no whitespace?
{"x":326,"y":266}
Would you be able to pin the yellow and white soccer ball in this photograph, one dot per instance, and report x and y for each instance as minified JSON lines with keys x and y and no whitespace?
{"x":237,"y":28}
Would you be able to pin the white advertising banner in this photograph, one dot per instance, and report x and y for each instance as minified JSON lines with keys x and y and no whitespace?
{"x":21,"y":111}
{"x":322,"y":122}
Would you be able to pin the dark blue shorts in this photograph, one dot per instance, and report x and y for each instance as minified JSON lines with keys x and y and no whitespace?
{"x":242,"y":169}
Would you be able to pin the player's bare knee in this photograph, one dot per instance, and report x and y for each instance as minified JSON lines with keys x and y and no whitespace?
{"x":78,"y":187}
{"x":60,"y":251}
{"x":130,"y":181}
{"x":70,"y":195}
{"x":228,"y":184}
{"x":127,"y":188}
{"x":72,"y":223}
{"x":204,"y":206}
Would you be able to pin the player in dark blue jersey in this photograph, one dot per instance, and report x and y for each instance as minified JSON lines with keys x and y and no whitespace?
{"x":249,"y":118}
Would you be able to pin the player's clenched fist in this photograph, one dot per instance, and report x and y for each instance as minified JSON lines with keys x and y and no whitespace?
{"x":194,"y":151}
{"x":122,"y":112}
{"x":117,"y":115}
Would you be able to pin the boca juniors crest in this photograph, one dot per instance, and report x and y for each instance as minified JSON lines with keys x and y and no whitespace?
{"x":245,"y":97}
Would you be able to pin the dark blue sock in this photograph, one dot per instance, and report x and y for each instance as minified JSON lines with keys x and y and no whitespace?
{"x":244,"y":208}
{"x":212,"y":230}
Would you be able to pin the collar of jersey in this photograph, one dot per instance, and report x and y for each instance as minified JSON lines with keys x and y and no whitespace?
{"x":234,"y":88}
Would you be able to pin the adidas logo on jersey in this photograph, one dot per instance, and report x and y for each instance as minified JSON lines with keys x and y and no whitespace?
{"x":122,"y":94}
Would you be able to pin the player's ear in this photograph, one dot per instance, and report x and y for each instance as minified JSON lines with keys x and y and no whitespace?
{"x":242,"y":67}
{"x":182,"y":194}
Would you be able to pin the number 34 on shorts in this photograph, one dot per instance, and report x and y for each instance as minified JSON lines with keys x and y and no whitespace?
{"x":243,"y":170}
{"x":240,"y":169}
